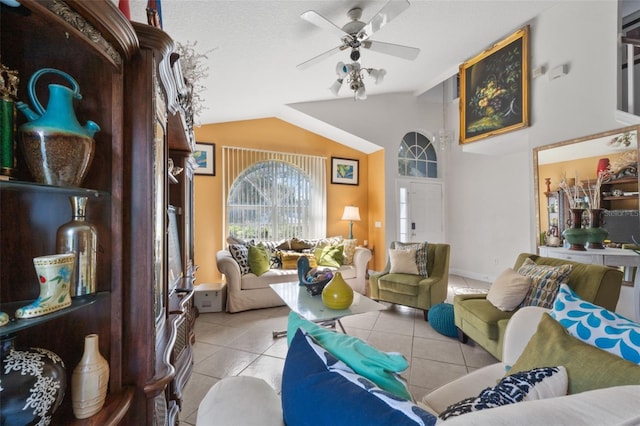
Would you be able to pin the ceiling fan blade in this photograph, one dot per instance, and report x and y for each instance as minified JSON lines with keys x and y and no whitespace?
{"x":320,"y":21}
{"x":404,"y":52}
{"x":383,"y":17}
{"x":320,"y":57}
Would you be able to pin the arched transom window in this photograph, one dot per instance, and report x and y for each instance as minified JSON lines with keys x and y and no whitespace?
{"x":417,"y":156}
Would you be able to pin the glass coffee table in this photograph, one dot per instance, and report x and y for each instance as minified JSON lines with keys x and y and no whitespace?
{"x":311,"y":307}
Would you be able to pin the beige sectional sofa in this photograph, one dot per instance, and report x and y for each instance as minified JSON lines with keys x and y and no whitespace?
{"x":249,"y":291}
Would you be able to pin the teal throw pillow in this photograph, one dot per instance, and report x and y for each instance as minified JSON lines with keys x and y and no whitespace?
{"x":259,"y":259}
{"x":381,"y":368}
{"x":596,"y":325}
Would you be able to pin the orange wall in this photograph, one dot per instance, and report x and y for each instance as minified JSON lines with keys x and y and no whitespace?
{"x":273,"y":135}
{"x":377,"y":194}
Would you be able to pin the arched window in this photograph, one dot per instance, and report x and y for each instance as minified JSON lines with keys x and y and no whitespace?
{"x":274,"y":199}
{"x":417,"y":156}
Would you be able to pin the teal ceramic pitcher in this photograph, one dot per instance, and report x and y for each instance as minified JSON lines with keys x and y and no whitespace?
{"x":57,"y":148}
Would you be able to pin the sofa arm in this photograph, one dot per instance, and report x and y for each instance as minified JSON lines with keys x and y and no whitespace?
{"x":519,"y":330}
{"x":361,"y":259}
{"x":228,"y":266}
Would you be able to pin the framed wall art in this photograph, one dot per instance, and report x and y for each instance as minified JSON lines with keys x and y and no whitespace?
{"x":205,"y":156}
{"x":344,"y":171}
{"x":494,"y":89}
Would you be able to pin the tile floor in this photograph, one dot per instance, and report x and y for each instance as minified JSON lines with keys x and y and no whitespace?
{"x":242,"y":344}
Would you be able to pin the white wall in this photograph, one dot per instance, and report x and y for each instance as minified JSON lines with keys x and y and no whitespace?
{"x":489,"y":198}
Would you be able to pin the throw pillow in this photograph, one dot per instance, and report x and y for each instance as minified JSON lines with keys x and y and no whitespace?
{"x":318,"y":389}
{"x":545,"y":281}
{"x":349,"y":251}
{"x":329,"y":256}
{"x":421,"y":255}
{"x":596,"y":325}
{"x":329,"y":241}
{"x":539,"y":383}
{"x":290,"y":259}
{"x":588,"y":367}
{"x":382,"y":368}
{"x":508,"y":290}
{"x":240,"y":253}
{"x":403,"y":261}
{"x":258,"y":259}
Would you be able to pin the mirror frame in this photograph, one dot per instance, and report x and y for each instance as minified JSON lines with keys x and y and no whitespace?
{"x":536,"y":177}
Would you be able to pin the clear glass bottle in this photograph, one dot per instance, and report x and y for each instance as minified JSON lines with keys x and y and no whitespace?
{"x":79,"y":237}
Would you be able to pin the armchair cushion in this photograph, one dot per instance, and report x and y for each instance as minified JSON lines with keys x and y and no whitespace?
{"x":403,"y":261}
{"x":588,"y":367}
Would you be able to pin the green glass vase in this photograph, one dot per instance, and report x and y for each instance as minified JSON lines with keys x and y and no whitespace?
{"x":596,"y":234}
{"x":576,"y":235}
{"x":337,"y":294}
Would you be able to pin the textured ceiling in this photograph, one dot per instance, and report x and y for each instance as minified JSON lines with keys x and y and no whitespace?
{"x":254,"y":46}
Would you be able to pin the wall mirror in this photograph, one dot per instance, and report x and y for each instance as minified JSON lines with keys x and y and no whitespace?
{"x":578,"y":161}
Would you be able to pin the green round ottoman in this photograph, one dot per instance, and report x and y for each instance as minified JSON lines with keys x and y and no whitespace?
{"x":440,"y":317}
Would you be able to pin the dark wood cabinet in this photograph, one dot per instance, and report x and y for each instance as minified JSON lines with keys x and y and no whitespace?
{"x":126,"y":75}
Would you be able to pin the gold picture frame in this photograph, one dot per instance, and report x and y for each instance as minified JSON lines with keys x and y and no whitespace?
{"x":494,"y":89}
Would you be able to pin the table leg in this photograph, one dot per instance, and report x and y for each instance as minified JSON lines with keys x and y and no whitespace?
{"x":325,"y":324}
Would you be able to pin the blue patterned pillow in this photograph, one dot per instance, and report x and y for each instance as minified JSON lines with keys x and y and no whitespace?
{"x":319,"y":389}
{"x":539,"y":383}
{"x":545,"y":281}
{"x":597,"y":326}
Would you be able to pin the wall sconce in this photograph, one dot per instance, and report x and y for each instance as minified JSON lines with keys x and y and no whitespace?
{"x":351,"y":213}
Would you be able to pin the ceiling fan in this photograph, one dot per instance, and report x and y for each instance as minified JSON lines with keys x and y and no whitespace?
{"x":355,"y":34}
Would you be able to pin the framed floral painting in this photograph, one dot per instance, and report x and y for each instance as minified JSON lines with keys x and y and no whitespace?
{"x":344,"y":171}
{"x":494,"y":89}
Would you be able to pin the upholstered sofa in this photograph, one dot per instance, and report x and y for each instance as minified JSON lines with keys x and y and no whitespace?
{"x":249,"y":291}
{"x":602,"y":403}
{"x":478,"y":319}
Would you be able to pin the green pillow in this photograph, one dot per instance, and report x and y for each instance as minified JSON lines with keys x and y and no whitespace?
{"x":330,"y":255}
{"x":381,"y":368}
{"x":588,"y":367}
{"x":258,"y":259}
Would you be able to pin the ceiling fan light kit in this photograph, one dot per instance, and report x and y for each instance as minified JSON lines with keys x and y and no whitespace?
{"x":355,"y":35}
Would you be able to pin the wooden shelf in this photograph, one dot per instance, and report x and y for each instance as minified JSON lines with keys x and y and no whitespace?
{"x":18,"y":324}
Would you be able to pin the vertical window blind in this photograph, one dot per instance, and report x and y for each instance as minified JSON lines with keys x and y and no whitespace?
{"x":271,"y":195}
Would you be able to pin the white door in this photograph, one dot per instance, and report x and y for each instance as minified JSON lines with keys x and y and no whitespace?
{"x":421,"y":212}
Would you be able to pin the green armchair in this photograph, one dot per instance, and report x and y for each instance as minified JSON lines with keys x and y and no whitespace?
{"x":478,"y":319}
{"x":415,"y":290}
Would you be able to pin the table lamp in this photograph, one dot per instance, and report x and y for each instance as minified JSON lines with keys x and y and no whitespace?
{"x":351,"y":213}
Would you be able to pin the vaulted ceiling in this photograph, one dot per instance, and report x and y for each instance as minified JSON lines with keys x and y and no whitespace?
{"x":253,"y":47}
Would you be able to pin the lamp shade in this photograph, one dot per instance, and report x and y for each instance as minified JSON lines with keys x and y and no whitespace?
{"x":351,"y":213}
{"x":335,"y":87}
